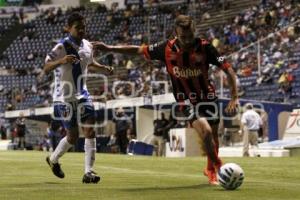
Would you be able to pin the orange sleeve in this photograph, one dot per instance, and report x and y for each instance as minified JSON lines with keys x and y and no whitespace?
{"x":146,"y":51}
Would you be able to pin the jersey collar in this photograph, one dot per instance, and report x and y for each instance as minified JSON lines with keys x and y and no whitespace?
{"x":195,"y":46}
{"x":73,"y":42}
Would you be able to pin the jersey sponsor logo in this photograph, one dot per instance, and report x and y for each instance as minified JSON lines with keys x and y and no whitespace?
{"x":186,"y":73}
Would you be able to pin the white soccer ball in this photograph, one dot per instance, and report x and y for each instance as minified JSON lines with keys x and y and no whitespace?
{"x":230,"y":176}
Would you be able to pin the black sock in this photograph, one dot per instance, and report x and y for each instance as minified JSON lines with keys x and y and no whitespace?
{"x":210,"y":148}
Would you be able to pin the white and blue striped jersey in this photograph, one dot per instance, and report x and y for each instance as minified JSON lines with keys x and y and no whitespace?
{"x":70,"y":79}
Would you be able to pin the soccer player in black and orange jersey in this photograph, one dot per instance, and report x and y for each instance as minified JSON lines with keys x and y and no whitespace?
{"x":188,"y":59}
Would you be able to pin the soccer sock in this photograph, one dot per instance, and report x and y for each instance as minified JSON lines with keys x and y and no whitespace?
{"x":216,"y":141}
{"x":60,"y":150}
{"x":210,"y":165}
{"x":210,"y":150}
{"x":90,"y":151}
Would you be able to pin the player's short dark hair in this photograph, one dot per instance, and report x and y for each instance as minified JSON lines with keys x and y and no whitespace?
{"x":183,"y":21}
{"x":74,"y":17}
{"x":249,"y":106}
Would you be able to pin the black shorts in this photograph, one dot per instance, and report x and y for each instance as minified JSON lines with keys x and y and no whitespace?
{"x":209,"y":110}
{"x":21,"y":133}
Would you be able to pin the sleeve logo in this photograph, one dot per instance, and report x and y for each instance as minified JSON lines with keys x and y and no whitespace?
{"x":220,"y":59}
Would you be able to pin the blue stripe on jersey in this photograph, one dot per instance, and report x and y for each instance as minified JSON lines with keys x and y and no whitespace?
{"x":52,"y":55}
{"x":76,"y":70}
{"x":85,"y":93}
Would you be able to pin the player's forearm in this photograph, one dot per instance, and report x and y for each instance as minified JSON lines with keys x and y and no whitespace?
{"x":51,"y":65}
{"x":97,"y":67}
{"x":126,"y":49}
{"x":231,"y":76}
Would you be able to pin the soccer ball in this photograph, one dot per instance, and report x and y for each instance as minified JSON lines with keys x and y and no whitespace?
{"x":230,"y":176}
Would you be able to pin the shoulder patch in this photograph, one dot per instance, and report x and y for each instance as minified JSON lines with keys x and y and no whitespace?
{"x":152,"y":46}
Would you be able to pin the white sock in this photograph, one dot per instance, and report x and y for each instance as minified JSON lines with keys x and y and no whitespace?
{"x":60,"y":150}
{"x":90,"y":151}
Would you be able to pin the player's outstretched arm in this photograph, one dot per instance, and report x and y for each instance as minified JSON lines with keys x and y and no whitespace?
{"x":52,"y":65}
{"x":123,"y":49}
{"x":98,"y":68}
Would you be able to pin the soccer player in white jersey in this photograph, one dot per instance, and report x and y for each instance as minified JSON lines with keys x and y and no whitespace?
{"x":71,"y":59}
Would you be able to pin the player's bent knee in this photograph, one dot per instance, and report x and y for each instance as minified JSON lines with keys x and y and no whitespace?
{"x":202,"y":124}
{"x":89,"y":133}
{"x":72,"y":139}
{"x":196,"y":123}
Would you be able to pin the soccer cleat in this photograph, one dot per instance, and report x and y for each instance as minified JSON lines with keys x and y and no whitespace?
{"x":90,"y":177}
{"x":55,"y":167}
{"x":212,"y":176}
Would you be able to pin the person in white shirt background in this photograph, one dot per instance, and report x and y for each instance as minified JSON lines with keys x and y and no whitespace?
{"x":250,"y":124}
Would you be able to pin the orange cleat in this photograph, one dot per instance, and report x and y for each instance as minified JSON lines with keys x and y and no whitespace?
{"x":212,"y":176}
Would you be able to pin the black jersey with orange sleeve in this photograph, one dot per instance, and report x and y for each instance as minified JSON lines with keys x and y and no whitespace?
{"x":215,"y":58}
{"x":188,"y":69}
{"x":155,"y":51}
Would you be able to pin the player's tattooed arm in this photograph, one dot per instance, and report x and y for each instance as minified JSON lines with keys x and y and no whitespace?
{"x":52,"y":65}
{"x":123,"y":49}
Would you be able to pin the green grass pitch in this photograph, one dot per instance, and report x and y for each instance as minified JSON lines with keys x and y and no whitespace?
{"x":24,"y":175}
